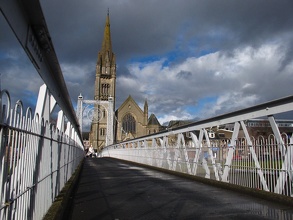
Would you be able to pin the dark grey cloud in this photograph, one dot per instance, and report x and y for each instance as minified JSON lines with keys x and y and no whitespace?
{"x":138,"y":27}
{"x":141,"y":28}
{"x":183,"y":75}
{"x":161,"y":28}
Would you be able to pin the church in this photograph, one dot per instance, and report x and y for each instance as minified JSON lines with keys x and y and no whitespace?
{"x":130,"y":121}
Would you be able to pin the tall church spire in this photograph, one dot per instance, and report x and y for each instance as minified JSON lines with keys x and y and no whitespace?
{"x":106,"y":56}
{"x":105,"y":87}
{"x":107,"y":44}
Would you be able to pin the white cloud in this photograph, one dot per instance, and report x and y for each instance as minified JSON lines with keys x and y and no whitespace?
{"x":228,"y":102}
{"x":242,"y":79}
{"x":177,"y":115}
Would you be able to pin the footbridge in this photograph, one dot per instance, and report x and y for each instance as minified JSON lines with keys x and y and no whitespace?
{"x":263,"y":163}
{"x":39,"y":157}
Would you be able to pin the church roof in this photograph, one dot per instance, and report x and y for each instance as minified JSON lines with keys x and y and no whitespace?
{"x":128,"y":101}
{"x":153,"y":120}
{"x":178,"y":123}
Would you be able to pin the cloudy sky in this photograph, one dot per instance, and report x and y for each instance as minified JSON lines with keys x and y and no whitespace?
{"x":188,"y":58}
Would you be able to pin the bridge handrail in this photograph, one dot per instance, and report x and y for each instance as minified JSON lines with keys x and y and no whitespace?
{"x":29,"y":26}
{"x":37,"y":158}
{"x":273,"y":107}
{"x":262,"y":162}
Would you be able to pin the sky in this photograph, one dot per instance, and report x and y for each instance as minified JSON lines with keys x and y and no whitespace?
{"x":190,"y":59}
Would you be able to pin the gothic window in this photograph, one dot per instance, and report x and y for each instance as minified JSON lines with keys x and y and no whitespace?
{"x":129,"y":123}
{"x":105,"y":90}
{"x":102,"y":132}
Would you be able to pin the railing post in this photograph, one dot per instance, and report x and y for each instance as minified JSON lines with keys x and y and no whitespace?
{"x":45,"y":103}
{"x":110,"y":122}
{"x":254,"y":157}
{"x":79,"y":111}
{"x":231,"y":152}
{"x":286,"y":158}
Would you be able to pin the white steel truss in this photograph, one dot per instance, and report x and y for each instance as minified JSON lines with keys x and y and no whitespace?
{"x":190,"y":149}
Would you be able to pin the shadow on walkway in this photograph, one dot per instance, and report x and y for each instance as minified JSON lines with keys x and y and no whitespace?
{"x":111,"y":189}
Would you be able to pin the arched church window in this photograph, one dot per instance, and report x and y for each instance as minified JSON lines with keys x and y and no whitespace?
{"x":129,"y":123}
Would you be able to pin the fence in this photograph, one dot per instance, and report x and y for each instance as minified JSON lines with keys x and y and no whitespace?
{"x":264,"y":162}
{"x":37,"y":159}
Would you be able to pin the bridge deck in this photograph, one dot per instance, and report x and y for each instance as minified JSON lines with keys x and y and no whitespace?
{"x":111,"y":189}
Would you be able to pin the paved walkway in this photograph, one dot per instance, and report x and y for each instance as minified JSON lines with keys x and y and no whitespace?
{"x":111,"y":189}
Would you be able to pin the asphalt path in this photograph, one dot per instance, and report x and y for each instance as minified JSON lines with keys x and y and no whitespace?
{"x":115,"y":190}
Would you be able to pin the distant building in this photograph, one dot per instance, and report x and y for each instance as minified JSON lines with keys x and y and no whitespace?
{"x":133,"y":122}
{"x":257,"y":127}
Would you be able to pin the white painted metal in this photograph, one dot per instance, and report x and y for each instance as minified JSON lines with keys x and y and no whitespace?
{"x":36,"y":159}
{"x":285,"y":154}
{"x":210,"y":153}
{"x":29,"y":26}
{"x":197,"y":144}
{"x":79,"y":111}
{"x":254,"y":157}
{"x":263,"y":164}
{"x":45,"y":103}
{"x":108,"y":105}
{"x":277,"y":134}
{"x":231,"y":149}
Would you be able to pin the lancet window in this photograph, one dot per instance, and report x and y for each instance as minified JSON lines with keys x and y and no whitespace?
{"x":129,"y":123}
{"x":105,"y":90}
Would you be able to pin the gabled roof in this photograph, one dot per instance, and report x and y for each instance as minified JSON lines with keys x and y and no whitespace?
{"x":153,"y":120}
{"x":133,"y":103}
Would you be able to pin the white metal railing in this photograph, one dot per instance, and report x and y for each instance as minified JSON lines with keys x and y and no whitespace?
{"x":264,"y":163}
{"x":37,"y":159}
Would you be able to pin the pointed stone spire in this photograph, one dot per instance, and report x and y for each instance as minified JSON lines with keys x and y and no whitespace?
{"x":105,"y":86}
{"x":107,"y":44}
{"x":106,"y":57}
{"x":146,"y":112}
{"x":146,"y":107}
